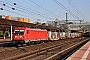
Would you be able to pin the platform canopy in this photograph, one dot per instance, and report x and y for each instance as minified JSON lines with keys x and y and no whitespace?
{"x":7,"y":23}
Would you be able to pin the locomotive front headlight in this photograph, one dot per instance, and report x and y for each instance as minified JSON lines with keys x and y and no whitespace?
{"x":15,"y":36}
{"x":21,"y":36}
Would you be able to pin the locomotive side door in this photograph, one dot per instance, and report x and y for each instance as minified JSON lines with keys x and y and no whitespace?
{"x":28,"y":35}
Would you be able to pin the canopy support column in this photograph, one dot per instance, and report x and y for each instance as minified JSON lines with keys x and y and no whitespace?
{"x":11,"y":32}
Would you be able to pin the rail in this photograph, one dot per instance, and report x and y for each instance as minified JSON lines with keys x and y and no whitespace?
{"x":47,"y":50}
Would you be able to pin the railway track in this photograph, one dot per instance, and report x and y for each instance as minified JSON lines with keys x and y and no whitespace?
{"x":62,"y":55}
{"x":4,"y":46}
{"x":48,"y":51}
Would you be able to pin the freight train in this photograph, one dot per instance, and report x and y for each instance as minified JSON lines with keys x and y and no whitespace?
{"x":27,"y":35}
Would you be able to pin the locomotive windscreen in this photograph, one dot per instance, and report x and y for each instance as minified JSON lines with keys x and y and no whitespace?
{"x":19,"y":32}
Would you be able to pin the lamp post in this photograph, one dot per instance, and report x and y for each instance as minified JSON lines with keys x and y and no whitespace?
{"x":66,"y":30}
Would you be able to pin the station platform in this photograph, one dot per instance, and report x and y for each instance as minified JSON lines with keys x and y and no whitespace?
{"x":4,"y":40}
{"x":82,"y":54}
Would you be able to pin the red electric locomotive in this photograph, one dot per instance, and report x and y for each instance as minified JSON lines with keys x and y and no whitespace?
{"x":25,"y":35}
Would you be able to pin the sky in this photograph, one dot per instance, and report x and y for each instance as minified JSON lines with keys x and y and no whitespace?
{"x":47,"y":10}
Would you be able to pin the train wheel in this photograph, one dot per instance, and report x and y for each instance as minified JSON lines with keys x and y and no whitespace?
{"x":32,"y":42}
{"x":28,"y":43}
{"x":45,"y":41}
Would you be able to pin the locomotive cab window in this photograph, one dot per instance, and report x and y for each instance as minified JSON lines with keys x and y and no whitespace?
{"x":19,"y":31}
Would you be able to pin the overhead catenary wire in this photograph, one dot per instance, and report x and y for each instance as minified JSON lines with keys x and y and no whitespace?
{"x":44,"y":8}
{"x":75,"y":8}
{"x":19,"y":8}
{"x":57,"y":2}
{"x":30,"y":10}
{"x":14,"y":11}
{"x":17,"y":13}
